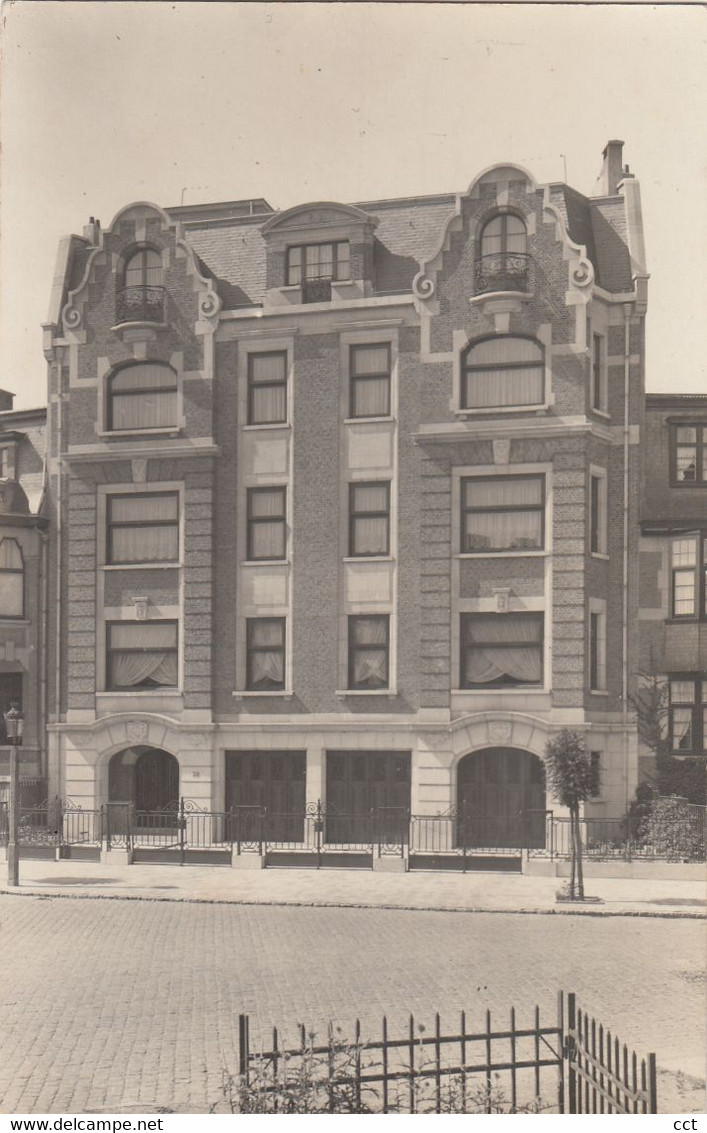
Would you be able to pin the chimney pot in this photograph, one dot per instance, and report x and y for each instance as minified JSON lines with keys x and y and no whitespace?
{"x":612,"y":171}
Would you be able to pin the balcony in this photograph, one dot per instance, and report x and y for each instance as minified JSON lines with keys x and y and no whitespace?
{"x":504,"y":271}
{"x":316,"y":291}
{"x":143,"y":303}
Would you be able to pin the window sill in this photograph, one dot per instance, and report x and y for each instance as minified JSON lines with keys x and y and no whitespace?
{"x":246,"y":693}
{"x":601,"y":555}
{"x":502,"y":554}
{"x":493,"y":410}
{"x":141,"y":566}
{"x":369,"y":559}
{"x":11,"y":620}
{"x":367,"y":420}
{"x":600,"y":413}
{"x":161,"y":431}
{"x":264,"y":562}
{"x":598,"y":691}
{"x":688,"y":483}
{"x":266,"y":425}
{"x":515,"y":690}
{"x":342,"y":693}
{"x":139,"y":692}
{"x":139,"y":324}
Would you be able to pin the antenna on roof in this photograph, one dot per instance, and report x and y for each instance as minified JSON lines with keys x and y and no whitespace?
{"x":186,"y":187}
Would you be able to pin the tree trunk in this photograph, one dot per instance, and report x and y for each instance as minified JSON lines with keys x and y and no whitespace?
{"x":573,"y":858}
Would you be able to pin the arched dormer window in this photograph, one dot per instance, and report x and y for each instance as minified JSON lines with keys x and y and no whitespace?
{"x":141,"y":297}
{"x":142,"y":395}
{"x":503,"y":372}
{"x":503,"y":261}
{"x":12,"y":580}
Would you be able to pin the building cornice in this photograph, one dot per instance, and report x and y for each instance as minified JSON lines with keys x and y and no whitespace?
{"x":165,"y":450}
{"x":478,"y":430}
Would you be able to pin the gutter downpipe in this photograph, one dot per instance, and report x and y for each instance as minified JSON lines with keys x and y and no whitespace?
{"x":43,"y":652}
{"x":59,"y":555}
{"x":625,"y":572}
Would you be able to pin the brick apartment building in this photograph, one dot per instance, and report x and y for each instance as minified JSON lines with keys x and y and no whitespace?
{"x":673,"y":582}
{"x":344,"y":500}
{"x":23,"y":588}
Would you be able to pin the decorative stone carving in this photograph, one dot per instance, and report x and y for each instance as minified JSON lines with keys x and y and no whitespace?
{"x":136,"y":731}
{"x":139,"y":471}
{"x":423,"y":286}
{"x":436,"y":741}
{"x":583,"y":274}
{"x":501,"y":594}
{"x":72,"y":317}
{"x":140,"y":608}
{"x":501,"y":451}
{"x":499,"y":732}
{"x":210,"y":304}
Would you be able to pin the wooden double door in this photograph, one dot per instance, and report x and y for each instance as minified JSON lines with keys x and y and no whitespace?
{"x":268,"y":788}
{"x":146,"y":777}
{"x":367,"y":796}
{"x":501,"y":799}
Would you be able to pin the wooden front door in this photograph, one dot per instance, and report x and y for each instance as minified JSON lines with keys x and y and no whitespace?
{"x":367,"y":795}
{"x":156,"y":781}
{"x":272,"y":782}
{"x":501,"y":799}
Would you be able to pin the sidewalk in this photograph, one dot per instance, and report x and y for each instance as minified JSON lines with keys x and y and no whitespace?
{"x":471,"y":892}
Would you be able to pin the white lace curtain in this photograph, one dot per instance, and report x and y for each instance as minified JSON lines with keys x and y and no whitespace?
{"x":370,"y":656}
{"x":515,"y":375}
{"x":489,"y":530}
{"x":370,"y":532}
{"x":267,"y":661}
{"x":144,"y":396}
{"x":503,"y":645}
{"x":144,"y":652}
{"x":268,"y":389}
{"x":369,"y":373}
{"x":133,"y":540}
{"x":267,"y":535}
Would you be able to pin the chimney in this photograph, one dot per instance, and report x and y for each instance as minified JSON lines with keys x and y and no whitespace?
{"x":612,"y":171}
{"x":92,"y":230}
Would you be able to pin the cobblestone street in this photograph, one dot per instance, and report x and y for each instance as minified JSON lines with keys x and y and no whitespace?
{"x":107,"y":1005}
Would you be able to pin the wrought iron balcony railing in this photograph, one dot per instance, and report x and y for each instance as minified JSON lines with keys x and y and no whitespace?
{"x":142,"y":303}
{"x":504,"y":271}
{"x":316,"y":291}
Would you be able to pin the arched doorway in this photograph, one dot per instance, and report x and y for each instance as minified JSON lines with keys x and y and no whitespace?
{"x":145,"y":777}
{"x":501,"y":799}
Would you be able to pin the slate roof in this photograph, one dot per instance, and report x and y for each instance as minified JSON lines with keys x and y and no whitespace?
{"x":600,"y":225}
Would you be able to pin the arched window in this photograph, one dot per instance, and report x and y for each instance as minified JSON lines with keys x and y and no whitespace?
{"x":141,"y":297}
{"x":12,"y":580}
{"x":144,"y":269}
{"x":142,"y":396}
{"x":503,"y":371}
{"x":503,"y":233}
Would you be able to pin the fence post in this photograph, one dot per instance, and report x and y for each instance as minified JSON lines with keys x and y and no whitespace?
{"x":652,"y":1085}
{"x":243,"y":1051}
{"x":182,"y":831}
{"x":318,"y":827}
{"x":561,"y":1049}
{"x":569,"y":1051}
{"x":105,"y":829}
{"x":129,"y":827}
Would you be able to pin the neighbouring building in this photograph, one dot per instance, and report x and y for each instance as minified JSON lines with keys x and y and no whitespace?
{"x":673,"y":588}
{"x":23,"y":589}
{"x":344,"y":502}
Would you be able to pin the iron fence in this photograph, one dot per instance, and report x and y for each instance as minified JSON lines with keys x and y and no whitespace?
{"x":563,"y":1065}
{"x":140,"y":303}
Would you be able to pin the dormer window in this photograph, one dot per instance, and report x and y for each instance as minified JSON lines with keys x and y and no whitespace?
{"x":142,"y":396}
{"x":503,"y":263}
{"x":503,"y":372}
{"x":141,"y":298}
{"x":314,"y":266}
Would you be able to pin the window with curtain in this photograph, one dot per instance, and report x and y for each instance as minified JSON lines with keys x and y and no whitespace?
{"x":142,"y":395}
{"x":369,"y":519}
{"x":503,"y":234}
{"x":142,"y":655}
{"x":502,"y":513}
{"x":143,"y":528}
{"x":369,"y":379}
{"x":144,"y":269}
{"x":267,"y":536}
{"x":12,"y":580}
{"x":265,"y":654}
{"x":318,"y":261}
{"x":369,"y":644}
{"x":688,"y":715}
{"x":689,"y":454}
{"x":501,"y":650}
{"x":503,"y":371}
{"x":267,"y":388}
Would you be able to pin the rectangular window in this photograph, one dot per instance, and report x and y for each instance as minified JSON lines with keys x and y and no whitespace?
{"x":369,"y":645}
{"x":501,"y":650}
{"x":502,"y":513}
{"x":599,"y":391}
{"x":267,"y":388}
{"x":369,"y":519}
{"x":505,"y":371}
{"x":370,"y":381}
{"x":143,"y":528}
{"x":689,"y":454}
{"x":10,"y":693}
{"x":597,"y":650}
{"x":142,"y":395}
{"x":12,"y":579}
{"x":309,"y":262}
{"x":267,"y":531}
{"x":141,"y":655}
{"x":684,"y":554}
{"x":597,"y":514}
{"x":688,"y":715}
{"x":265,"y":654}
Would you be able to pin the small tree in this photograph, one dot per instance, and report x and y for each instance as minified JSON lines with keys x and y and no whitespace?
{"x":572,"y":780}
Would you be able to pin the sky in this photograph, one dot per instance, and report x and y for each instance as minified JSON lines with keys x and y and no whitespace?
{"x":106,"y":103}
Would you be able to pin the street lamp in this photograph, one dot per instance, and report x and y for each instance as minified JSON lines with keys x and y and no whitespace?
{"x":14,"y":727}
